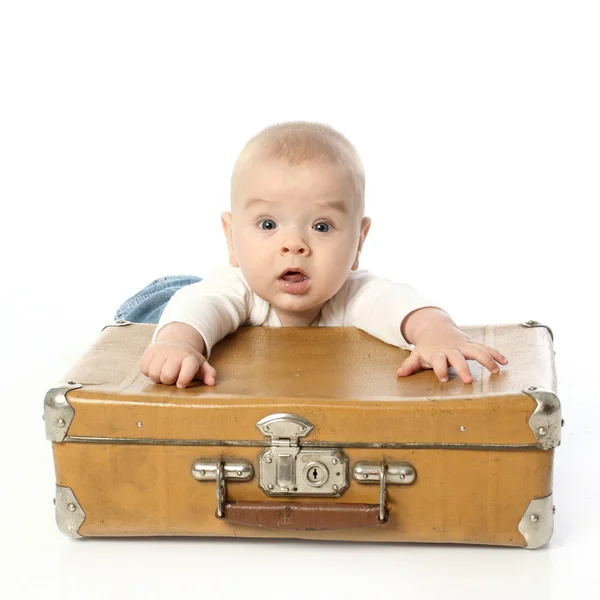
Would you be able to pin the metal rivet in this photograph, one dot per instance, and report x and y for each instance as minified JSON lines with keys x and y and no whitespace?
{"x":531,"y":322}
{"x":266,"y":428}
{"x":202,"y":472}
{"x":463,"y":428}
{"x":239,"y":473}
{"x":532,"y":388}
{"x":402,"y":476}
{"x":269,"y":459}
{"x":562,"y":422}
{"x":534,"y":518}
{"x":542,"y":430}
{"x":301,"y":428}
{"x":270,"y":486}
{"x":365,"y":476}
{"x":61,"y":423}
{"x":335,"y":461}
{"x":54,"y":501}
{"x":71,"y":383}
{"x":334,"y":487}
{"x":71,"y":507}
{"x":140,"y":424}
{"x":553,"y":509}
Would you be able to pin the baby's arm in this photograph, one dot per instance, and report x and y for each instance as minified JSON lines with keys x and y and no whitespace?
{"x":380,"y":306}
{"x":403,"y":318}
{"x":194,"y":320}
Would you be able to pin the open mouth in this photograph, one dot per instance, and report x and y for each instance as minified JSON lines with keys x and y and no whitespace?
{"x":294,"y":281}
{"x":293,"y":276}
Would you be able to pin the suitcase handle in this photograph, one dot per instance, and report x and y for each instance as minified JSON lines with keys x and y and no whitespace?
{"x":306,"y":516}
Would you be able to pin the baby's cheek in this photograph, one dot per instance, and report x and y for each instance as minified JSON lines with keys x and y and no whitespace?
{"x":258,"y":279}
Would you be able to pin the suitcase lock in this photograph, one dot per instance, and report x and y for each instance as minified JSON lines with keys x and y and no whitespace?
{"x":287,"y":469}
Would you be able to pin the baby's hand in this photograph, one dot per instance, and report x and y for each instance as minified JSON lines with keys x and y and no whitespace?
{"x":441,"y":346}
{"x":169,"y":362}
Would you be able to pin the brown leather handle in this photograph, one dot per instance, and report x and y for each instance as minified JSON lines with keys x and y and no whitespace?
{"x":306,"y":516}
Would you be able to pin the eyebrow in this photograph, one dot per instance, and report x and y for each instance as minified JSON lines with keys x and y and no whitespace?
{"x":337,"y":205}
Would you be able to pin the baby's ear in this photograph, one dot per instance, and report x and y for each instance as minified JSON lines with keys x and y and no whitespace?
{"x":364,"y":231}
{"x":226,"y":223}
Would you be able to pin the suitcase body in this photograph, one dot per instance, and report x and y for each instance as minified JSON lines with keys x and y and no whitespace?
{"x":309,"y":433}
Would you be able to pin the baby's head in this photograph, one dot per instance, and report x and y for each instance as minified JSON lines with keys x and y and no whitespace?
{"x":297,"y":203}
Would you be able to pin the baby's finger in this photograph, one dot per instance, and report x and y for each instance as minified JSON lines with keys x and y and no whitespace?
{"x":411,"y":365}
{"x":189,"y":368}
{"x":146,"y":360}
{"x":170,"y":371}
{"x":439,"y":364}
{"x":457,"y":360}
{"x":497,"y":356}
{"x":481,"y":356}
{"x":208,"y":374}
{"x":155,"y":368}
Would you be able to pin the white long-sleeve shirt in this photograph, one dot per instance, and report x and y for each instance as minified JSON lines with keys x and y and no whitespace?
{"x":223,"y":301}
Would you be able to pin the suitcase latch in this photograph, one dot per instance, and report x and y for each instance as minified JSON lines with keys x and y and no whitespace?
{"x":384,"y":473}
{"x":221,"y":472}
{"x":287,"y":469}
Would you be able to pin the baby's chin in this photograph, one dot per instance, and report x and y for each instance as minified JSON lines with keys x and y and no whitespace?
{"x":296,"y":302}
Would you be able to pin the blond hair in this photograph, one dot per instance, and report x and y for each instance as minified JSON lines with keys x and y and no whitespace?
{"x":300,"y":141}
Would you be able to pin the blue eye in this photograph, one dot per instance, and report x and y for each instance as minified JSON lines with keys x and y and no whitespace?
{"x":268,"y":228}
{"x":321,"y":225}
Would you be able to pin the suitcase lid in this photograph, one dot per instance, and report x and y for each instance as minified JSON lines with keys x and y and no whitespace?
{"x":340,"y":379}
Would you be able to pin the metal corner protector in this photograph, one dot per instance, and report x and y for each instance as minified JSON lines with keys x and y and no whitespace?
{"x":58,"y":413}
{"x":538,"y":324}
{"x":546,"y":420}
{"x":537,"y":524}
{"x":69,"y":514}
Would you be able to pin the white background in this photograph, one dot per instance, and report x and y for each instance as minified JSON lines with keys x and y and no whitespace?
{"x":478,"y":123}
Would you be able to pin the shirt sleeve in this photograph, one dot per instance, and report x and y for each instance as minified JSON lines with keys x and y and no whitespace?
{"x":214,"y":307}
{"x":378,"y":306}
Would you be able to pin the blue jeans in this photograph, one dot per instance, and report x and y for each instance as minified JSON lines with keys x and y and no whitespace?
{"x":148,"y":304}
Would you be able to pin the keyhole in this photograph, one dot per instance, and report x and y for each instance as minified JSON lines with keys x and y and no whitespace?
{"x":315,"y":474}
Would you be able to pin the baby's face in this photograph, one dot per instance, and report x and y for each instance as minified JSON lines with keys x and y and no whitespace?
{"x":302,"y":217}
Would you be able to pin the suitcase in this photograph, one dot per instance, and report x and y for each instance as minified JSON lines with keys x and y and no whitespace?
{"x":309,"y":433}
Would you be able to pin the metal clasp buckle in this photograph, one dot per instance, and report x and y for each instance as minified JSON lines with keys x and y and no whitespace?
{"x":220,"y":471}
{"x":384,"y":474}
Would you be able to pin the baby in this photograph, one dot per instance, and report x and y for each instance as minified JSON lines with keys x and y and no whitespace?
{"x":295,"y":234}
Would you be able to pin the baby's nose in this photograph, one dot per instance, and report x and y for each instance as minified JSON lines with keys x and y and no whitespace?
{"x":294,"y":247}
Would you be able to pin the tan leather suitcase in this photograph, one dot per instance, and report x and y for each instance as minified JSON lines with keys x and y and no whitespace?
{"x":309,"y":433}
